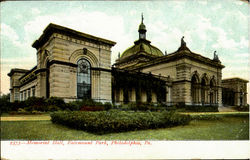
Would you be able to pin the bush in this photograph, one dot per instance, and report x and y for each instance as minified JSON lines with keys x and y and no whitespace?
{"x":242,"y":108}
{"x":101,"y":122}
{"x":217,"y":116}
{"x":5,"y":104}
{"x":88,"y":105}
{"x":144,"y":107}
{"x":21,"y":111}
{"x":107,"y":106}
{"x":56,"y":101}
{"x":199,"y":108}
{"x":52,"y":108}
{"x":74,"y":106}
{"x":206,"y":117}
{"x":92,"y":108}
{"x":35,"y":101}
{"x":14,"y":106}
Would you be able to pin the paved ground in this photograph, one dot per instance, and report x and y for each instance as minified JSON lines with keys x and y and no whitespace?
{"x":26,"y":118}
{"x":227,"y":109}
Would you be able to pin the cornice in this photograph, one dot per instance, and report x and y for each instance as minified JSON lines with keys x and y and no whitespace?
{"x":53,"y":28}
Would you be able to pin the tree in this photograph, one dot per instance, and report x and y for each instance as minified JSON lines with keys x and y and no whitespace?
{"x":5,"y":103}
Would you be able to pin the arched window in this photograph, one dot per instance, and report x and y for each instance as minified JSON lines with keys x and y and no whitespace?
{"x":83,"y":79}
{"x":195,"y":89}
{"x":203,"y":91}
{"x":213,"y":92}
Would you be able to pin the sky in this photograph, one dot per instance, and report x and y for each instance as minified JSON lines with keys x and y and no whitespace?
{"x":208,"y":26}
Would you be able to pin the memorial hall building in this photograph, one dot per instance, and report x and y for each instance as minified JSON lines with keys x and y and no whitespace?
{"x":74,"y":65}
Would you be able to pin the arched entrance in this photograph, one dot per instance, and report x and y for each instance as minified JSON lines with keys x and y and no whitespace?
{"x":195,"y":88}
{"x":204,"y":90}
{"x":213,"y":92}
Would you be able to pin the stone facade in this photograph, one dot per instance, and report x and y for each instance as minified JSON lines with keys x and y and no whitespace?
{"x":74,"y":65}
{"x":191,"y":79}
{"x":234,"y":91}
{"x":58,"y":51}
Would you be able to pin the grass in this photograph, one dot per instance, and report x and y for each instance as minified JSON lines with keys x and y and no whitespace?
{"x":228,"y":128}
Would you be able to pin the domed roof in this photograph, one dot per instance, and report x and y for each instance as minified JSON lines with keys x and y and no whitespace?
{"x":142,"y":27}
{"x":142,"y":46}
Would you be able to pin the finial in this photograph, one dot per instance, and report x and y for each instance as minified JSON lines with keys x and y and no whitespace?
{"x":119,"y":55}
{"x":142,"y":18}
{"x":166,"y":52}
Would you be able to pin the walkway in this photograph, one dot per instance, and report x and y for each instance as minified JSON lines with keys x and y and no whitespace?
{"x":227,"y":109}
{"x":26,"y":118}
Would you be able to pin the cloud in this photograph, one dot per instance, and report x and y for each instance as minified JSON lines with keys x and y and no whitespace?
{"x":35,"y":11}
{"x":7,"y":65}
{"x":241,"y":55}
{"x":10,"y":34}
{"x":203,"y":2}
{"x":203,"y":30}
{"x":94,"y":23}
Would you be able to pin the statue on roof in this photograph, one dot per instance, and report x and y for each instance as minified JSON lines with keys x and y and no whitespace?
{"x":166,"y":52}
{"x":119,"y":55}
{"x":183,"y":43}
{"x":216,"y":58}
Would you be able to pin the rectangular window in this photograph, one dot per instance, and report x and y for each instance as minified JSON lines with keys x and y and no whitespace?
{"x":28,"y":93}
{"x":25,"y":95}
{"x":33,"y":91}
{"x":16,"y":97}
{"x":21,"y":96}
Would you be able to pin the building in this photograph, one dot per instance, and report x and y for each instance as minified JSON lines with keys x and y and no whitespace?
{"x":70,"y":65}
{"x":234,"y":91}
{"x":74,"y":65}
{"x":190,"y":77}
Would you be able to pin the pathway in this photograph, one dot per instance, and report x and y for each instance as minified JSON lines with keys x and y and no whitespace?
{"x":227,"y":109}
{"x":26,"y":118}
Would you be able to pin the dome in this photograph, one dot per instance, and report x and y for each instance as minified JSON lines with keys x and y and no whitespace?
{"x":142,"y":27}
{"x":142,"y":46}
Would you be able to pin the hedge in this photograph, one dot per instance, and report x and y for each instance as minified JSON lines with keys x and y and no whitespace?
{"x":101,"y":122}
{"x":217,"y":116}
{"x":199,"y":108}
{"x":242,"y":108}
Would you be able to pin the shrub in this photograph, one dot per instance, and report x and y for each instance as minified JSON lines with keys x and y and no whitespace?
{"x":56,"y":101}
{"x":90,"y":102}
{"x":107,"y":106}
{"x":14,"y":106}
{"x":92,"y":108}
{"x":35,"y":101}
{"x":88,"y":105}
{"x":199,"y":108}
{"x":118,"y":121}
{"x":21,"y":110}
{"x":144,"y":107}
{"x":74,"y":105}
{"x":36,"y":112}
{"x":242,"y":108}
{"x":5,"y":104}
{"x":218,"y":116}
{"x":52,"y":108}
{"x":206,"y":117}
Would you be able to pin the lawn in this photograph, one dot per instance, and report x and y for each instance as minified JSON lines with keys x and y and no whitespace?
{"x":228,"y":128}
